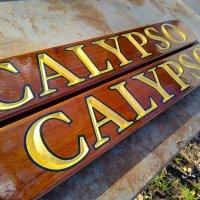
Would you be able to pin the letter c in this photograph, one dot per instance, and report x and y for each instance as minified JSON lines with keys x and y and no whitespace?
{"x":28,"y":95}
{"x":41,"y":155}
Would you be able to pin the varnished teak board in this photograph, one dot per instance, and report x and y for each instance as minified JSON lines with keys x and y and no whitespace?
{"x":43,"y":149}
{"x":33,"y":81}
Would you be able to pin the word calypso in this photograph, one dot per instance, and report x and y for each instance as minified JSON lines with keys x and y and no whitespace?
{"x":42,"y":77}
{"x":97,"y":119}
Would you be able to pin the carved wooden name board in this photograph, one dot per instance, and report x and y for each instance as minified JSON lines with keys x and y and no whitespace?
{"x":42,"y":149}
{"x":31,"y":81}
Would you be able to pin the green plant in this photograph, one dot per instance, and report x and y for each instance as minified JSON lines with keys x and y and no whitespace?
{"x":178,"y":158}
{"x":187,"y":194}
{"x":161,"y":182}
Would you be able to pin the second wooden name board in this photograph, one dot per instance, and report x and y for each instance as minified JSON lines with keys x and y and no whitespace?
{"x":34,"y":80}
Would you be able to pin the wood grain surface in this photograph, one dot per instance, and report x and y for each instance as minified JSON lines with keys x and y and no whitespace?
{"x":43,"y":149}
{"x":37,"y":80}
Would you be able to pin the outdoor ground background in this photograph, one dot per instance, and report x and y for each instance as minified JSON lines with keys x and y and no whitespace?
{"x":180,"y":179}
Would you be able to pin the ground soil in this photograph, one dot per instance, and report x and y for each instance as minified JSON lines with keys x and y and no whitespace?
{"x":180,"y":180}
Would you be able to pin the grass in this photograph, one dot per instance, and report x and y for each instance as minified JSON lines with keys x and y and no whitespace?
{"x":162,"y":182}
{"x":180,"y":180}
{"x":188,"y":194}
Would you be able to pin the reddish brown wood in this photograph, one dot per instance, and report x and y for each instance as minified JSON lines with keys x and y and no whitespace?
{"x":32,"y":181}
{"x":12,"y":84}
